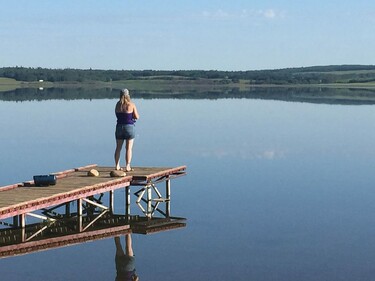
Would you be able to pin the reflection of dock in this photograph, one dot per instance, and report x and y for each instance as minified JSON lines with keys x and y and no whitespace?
{"x":54,"y":204}
{"x":65,"y":233}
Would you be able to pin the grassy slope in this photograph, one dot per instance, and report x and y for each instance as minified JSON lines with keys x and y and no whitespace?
{"x":7,"y":84}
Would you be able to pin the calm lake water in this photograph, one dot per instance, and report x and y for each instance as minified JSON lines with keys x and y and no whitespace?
{"x":275,"y":190}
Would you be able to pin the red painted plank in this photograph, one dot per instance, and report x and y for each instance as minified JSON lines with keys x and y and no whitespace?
{"x":11,"y":186}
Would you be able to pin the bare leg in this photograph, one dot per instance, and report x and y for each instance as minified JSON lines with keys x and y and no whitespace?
{"x":129,"y":152}
{"x":119,"y":250}
{"x":119,"y":144}
{"x":129,"y":247}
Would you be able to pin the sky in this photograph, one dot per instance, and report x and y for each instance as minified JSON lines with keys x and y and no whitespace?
{"x":186,"y":35}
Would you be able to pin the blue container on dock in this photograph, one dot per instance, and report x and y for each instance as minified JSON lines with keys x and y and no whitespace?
{"x":44,"y":180}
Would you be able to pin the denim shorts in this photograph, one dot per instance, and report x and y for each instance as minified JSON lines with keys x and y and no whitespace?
{"x":125,"y":132}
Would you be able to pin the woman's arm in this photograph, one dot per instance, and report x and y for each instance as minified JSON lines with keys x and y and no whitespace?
{"x":135,"y":113}
{"x":117,"y":107}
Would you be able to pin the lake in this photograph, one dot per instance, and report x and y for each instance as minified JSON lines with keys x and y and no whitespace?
{"x":275,"y":190}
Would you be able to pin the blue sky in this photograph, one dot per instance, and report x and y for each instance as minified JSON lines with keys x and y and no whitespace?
{"x":171,"y":35}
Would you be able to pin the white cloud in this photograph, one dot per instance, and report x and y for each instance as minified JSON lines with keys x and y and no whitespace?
{"x":271,"y":154}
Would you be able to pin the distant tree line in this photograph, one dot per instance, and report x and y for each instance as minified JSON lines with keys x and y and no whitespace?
{"x":302,"y":75}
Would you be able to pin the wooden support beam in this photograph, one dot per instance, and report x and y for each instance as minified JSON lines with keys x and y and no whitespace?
{"x":168,"y":196}
{"x":36,"y":233}
{"x":95,"y":204}
{"x":156,"y":190}
{"x":127,"y":200}
{"x":112,"y":201}
{"x":23,"y":224}
{"x":142,"y":192}
{"x":149,"y":201}
{"x":67,"y":209}
{"x":23,"y":220}
{"x":91,"y":223}
{"x":168,"y":189}
{"x":40,"y":217}
{"x":15,"y":221}
{"x":79,"y":215}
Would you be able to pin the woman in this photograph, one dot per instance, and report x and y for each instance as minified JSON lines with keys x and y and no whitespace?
{"x":126,"y":113}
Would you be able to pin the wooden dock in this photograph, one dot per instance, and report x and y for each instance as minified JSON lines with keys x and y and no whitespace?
{"x":25,"y":199}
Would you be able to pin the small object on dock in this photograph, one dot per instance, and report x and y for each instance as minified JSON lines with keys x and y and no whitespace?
{"x":117,"y":173}
{"x":44,"y":180}
{"x":93,"y":173}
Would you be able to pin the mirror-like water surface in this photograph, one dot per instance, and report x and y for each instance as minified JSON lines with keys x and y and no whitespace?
{"x":275,"y":190}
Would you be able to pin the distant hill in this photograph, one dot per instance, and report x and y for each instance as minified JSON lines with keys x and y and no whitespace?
{"x":287,"y":76}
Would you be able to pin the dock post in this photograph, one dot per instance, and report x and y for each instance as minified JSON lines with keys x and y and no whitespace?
{"x":79,"y":215}
{"x":149,"y":200}
{"x":67,"y":209}
{"x":111,"y":201}
{"x":127,"y":200}
{"x":16,"y":221}
{"x":23,"y":226}
{"x":168,"y":197}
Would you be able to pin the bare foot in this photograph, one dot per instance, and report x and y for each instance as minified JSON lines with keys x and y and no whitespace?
{"x":128,"y":168}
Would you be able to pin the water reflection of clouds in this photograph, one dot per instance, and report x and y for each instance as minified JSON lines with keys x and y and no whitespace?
{"x":240,"y":153}
{"x":271,"y":154}
{"x":268,"y":14}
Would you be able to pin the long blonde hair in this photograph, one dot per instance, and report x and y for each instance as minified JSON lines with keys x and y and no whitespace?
{"x":124,"y":99}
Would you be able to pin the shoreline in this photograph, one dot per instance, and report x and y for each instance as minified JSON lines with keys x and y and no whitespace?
{"x":172,"y":85}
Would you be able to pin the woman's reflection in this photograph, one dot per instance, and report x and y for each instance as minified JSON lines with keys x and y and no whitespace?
{"x":125,"y":262}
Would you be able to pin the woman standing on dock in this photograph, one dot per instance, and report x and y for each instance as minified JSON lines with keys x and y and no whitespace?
{"x":127,"y":114}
